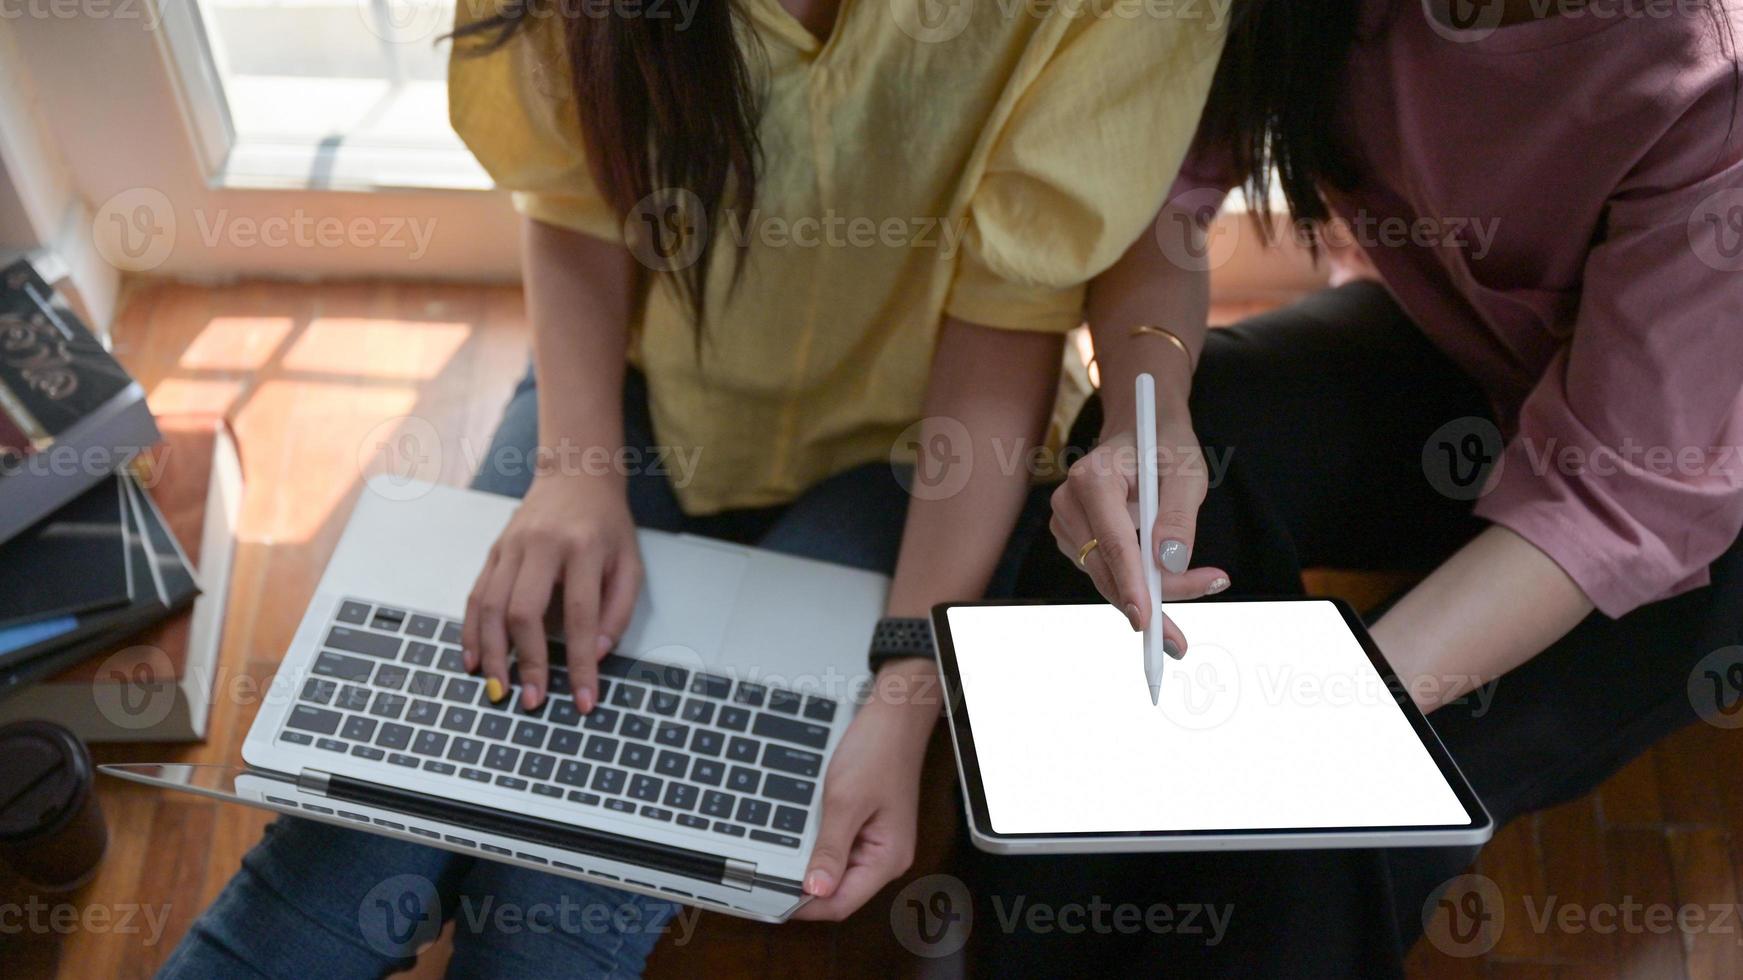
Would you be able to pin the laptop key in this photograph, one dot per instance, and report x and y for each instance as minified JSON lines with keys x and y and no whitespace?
{"x":627,"y":695}
{"x":585,"y":799}
{"x":530,"y":734}
{"x":537,"y":765}
{"x":558,"y":680}
{"x":712,"y":685}
{"x":501,"y":758}
{"x":645,"y":787}
{"x":452,"y":660}
{"x":450,"y":632}
{"x":673,"y":734}
{"x":424,"y":626}
{"x":352,"y":698}
{"x":718,"y":804}
{"x":820,"y":709}
{"x":353,"y":612}
{"x":707,"y":741}
{"x":331,"y":744}
{"x":786,"y":702}
{"x":465,"y":750}
{"x":392,"y":736}
{"x":358,"y":728}
{"x":787,"y":759}
{"x":461,"y":690}
{"x":600,"y":719}
{"x":790,"y":819}
{"x":636,"y":755}
{"x":657,"y":813}
{"x":599,"y":748}
{"x":790,"y":730}
{"x":681,"y":796}
{"x":771,"y":838}
{"x":707,"y":772}
{"x":730,"y":829}
{"x":364,"y":642}
{"x":387,"y":619}
{"x":742,"y":750}
{"x":458,"y":719}
{"x":698,"y":711}
{"x":387,"y":705}
{"x":296,"y":738}
{"x":755,"y":812}
{"x":636,"y":726}
{"x":423,"y":712}
{"x":609,"y":780}
{"x":546,"y":789}
{"x":319,"y":690}
{"x":621,"y":806}
{"x":566,"y":742}
{"x":391,"y":676}
{"x":429,"y":743}
{"x":369,"y":752}
{"x":425,"y":684}
{"x":439,"y":767}
{"x":788,"y":789}
{"x":401,"y":759}
{"x":743,"y":780}
{"x":511,"y":782}
{"x":494,"y":726}
{"x":312,"y":719}
{"x":419,"y":653}
{"x":664,"y":703}
{"x":734,"y":719}
{"x":672,"y":763}
{"x":475,"y":775}
{"x":692,"y":821}
{"x":751,"y":694}
{"x":342,"y":667}
{"x":564,"y":712}
{"x":573,"y":773}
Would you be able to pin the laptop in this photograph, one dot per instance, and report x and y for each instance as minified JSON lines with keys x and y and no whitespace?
{"x":697,"y":779}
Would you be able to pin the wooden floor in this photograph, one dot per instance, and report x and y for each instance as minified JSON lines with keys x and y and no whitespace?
{"x":317,"y":378}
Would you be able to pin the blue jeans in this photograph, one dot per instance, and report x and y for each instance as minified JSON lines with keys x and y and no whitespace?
{"x":317,"y":900}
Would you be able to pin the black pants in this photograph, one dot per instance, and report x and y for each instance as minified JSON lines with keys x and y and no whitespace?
{"x":1324,"y":409}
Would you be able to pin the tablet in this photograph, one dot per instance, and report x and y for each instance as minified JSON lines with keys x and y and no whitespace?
{"x":1282,"y":728}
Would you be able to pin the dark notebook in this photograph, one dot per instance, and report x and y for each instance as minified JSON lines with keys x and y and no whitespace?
{"x":73,"y":561}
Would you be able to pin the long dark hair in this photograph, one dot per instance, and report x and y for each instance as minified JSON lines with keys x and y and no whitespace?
{"x":664,"y":107}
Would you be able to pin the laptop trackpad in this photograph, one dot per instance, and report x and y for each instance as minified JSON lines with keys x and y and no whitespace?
{"x":688,"y":594}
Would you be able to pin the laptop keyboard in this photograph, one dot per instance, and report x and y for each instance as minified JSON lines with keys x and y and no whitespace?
{"x":696,"y":749}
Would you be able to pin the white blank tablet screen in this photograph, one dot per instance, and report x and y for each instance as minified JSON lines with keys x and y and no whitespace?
{"x":1274,"y":720}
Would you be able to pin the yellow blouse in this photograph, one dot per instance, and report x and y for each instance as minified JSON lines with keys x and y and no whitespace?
{"x":982,"y":159}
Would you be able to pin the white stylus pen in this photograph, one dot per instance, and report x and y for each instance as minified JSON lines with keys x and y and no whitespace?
{"x":1148,"y":478}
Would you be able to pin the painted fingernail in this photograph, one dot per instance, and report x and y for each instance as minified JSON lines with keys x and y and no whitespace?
{"x":1217,"y":585}
{"x":584,"y":699}
{"x":530,"y":695}
{"x":494,"y":691}
{"x":1172,"y":649}
{"x":1132,"y":614}
{"x":1172,"y":555}
{"x":606,"y":643}
{"x":819,"y":883}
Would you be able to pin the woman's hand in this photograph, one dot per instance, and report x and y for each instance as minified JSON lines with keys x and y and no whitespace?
{"x":871,"y":798}
{"x":573,"y":531}
{"x":1099,"y":500}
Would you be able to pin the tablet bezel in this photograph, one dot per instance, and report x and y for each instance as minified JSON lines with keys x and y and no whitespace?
{"x":1476,"y":831}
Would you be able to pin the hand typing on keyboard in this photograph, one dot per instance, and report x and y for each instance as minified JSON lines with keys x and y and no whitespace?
{"x":572,"y":532}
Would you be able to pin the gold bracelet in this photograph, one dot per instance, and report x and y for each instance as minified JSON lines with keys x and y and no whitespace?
{"x":1172,"y":337}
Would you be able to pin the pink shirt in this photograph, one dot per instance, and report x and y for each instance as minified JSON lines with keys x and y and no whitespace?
{"x":1583,"y":262}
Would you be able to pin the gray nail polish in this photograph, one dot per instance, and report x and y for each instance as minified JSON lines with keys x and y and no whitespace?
{"x":1173,"y":555}
{"x":1172,"y":649}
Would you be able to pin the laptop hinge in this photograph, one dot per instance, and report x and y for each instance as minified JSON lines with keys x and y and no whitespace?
{"x":314,"y":781}
{"x":739,"y":874}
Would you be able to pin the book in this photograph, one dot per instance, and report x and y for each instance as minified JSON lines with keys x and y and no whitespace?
{"x":70,"y":416}
{"x":156,"y":683}
{"x":72,"y":561}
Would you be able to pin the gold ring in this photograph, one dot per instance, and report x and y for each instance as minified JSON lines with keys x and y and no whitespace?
{"x":1083,"y":553}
